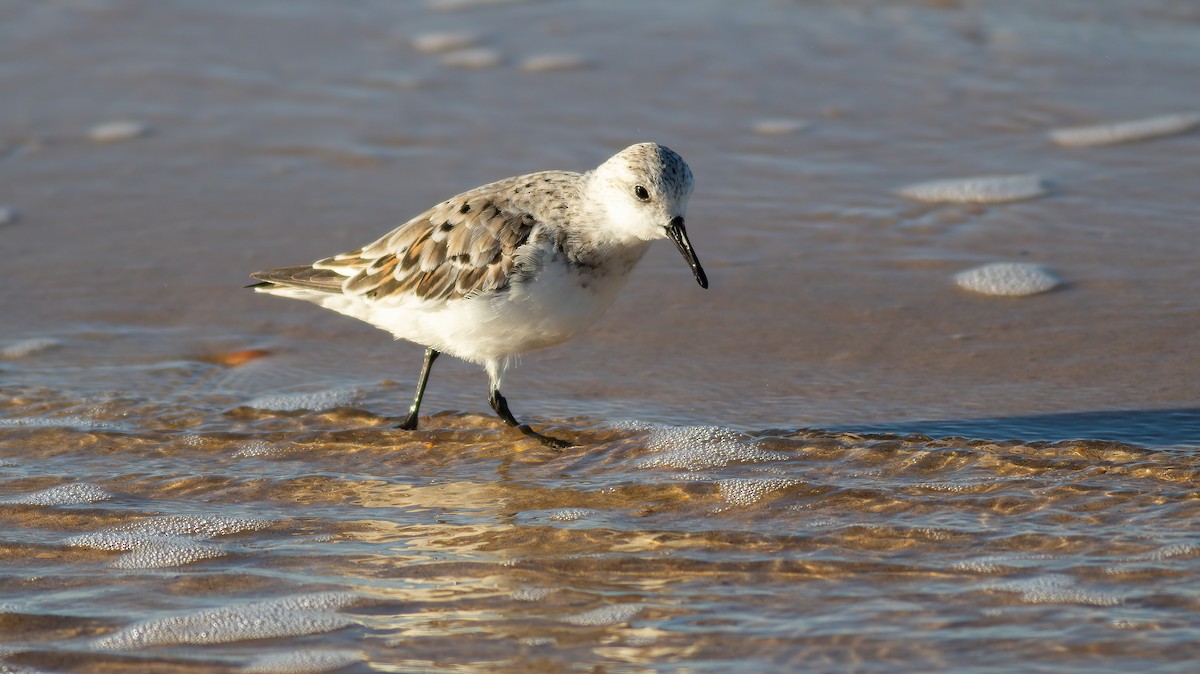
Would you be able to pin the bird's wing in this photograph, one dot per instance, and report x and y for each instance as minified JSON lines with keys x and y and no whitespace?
{"x":306,"y":277}
{"x":463,"y":247}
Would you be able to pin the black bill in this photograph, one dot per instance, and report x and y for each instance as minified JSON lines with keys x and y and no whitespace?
{"x":679,"y":236}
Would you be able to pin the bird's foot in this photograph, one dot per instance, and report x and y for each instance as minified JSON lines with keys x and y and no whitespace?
{"x":500,"y":405}
{"x":551,"y":442}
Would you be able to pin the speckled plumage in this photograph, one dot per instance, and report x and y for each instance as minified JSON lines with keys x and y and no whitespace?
{"x":518,"y":264}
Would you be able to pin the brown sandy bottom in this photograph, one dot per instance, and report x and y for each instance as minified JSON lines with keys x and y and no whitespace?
{"x":139,"y":538}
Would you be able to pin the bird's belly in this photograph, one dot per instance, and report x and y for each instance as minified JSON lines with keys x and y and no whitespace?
{"x":531,"y":314}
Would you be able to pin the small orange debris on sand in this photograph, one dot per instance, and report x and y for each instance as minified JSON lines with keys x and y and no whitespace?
{"x":235,"y":358}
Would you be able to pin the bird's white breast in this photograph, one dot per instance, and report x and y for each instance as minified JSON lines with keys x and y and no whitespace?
{"x":549,"y":307}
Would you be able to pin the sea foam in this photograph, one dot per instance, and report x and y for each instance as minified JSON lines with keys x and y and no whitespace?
{"x":308,"y":400}
{"x":779,"y":126}
{"x":475,"y":59}
{"x":1011,"y":279}
{"x":698,"y":447}
{"x":168,"y":541}
{"x":1125,"y":132}
{"x":977,"y":190}
{"x":435,"y":43}
{"x":748,"y":491}
{"x":28,"y":347}
{"x":605,"y":615}
{"x":76,"y":493}
{"x":111,"y":132}
{"x":302,"y":662}
{"x":543,"y":63}
{"x":283,"y":617}
{"x":1056,"y":588}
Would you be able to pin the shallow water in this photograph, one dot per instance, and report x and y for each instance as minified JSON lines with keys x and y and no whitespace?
{"x":835,"y":459}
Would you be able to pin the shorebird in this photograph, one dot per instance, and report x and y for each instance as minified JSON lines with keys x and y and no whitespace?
{"x":515,"y":265}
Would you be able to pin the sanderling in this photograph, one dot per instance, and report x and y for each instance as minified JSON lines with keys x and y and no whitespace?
{"x":512,"y":266}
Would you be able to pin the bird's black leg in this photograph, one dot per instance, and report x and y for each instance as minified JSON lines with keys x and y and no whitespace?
{"x":410,"y":422}
{"x":501,"y":406}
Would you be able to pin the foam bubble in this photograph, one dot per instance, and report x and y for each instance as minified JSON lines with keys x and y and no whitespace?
{"x":106,"y":540}
{"x":1002,"y":562}
{"x":472,"y":58}
{"x":111,"y":132}
{"x":64,"y":494}
{"x":283,"y":617}
{"x":747,"y":491}
{"x":978,"y":190}
{"x":570,"y":514}
{"x":978,"y":566}
{"x":311,"y":400}
{"x":949,"y":487}
{"x":192,"y":525}
{"x":1175,"y":550}
{"x":698,"y":447}
{"x":194,"y":440}
{"x":605,"y":615}
{"x":537,"y":642}
{"x":302,"y":662}
{"x":543,"y":63}
{"x":1125,"y":132}
{"x":1057,"y":588}
{"x":779,"y":127}
{"x":640,"y":641}
{"x":531,"y":594}
{"x":166,"y":552}
{"x":77,"y":422}
{"x":28,"y":347}
{"x":1011,"y":279}
{"x":1167,"y":552}
{"x":165,"y":541}
{"x":255,"y":448}
{"x":434,"y":43}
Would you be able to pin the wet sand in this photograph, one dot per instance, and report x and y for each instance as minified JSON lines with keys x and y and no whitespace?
{"x":835,"y":459}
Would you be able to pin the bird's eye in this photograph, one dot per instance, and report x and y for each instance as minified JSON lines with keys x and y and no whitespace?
{"x":641,"y":193}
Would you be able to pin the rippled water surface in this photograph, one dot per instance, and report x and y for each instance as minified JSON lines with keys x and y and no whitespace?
{"x":838,"y":458}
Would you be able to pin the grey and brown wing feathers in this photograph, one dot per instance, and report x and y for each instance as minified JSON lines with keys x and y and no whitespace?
{"x":463,"y":247}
